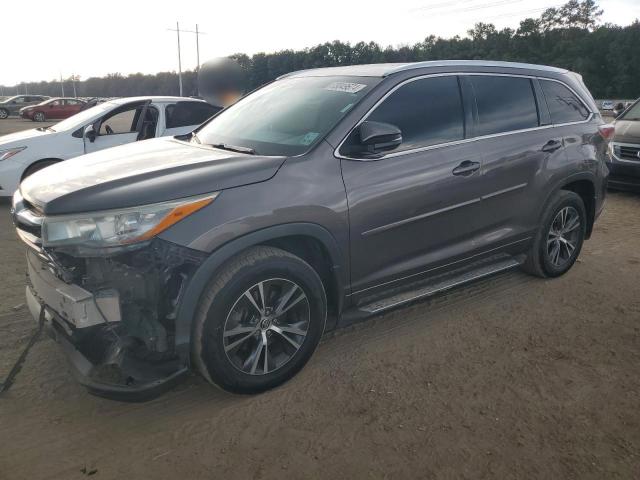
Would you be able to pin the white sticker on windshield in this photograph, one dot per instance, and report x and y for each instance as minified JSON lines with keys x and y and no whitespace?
{"x":309,"y":138}
{"x":345,"y":87}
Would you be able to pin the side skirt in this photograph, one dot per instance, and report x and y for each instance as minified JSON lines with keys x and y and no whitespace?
{"x":423,"y":289}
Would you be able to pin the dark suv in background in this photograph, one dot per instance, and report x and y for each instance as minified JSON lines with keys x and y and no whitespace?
{"x":323,"y":197}
{"x":12,"y":105}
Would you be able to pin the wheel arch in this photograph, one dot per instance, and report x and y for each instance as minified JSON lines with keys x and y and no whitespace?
{"x":582,"y":183}
{"x":311,"y":242}
{"x":32,"y":164}
{"x":587,"y":191}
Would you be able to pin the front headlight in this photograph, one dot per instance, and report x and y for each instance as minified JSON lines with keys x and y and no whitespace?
{"x":119,"y":227}
{"x":4,"y":154}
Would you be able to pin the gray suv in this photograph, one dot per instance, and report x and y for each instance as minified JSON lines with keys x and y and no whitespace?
{"x":12,"y":105}
{"x":324,"y":197}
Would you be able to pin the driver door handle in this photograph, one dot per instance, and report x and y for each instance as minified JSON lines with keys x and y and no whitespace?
{"x":551,"y":146}
{"x":466,"y":168}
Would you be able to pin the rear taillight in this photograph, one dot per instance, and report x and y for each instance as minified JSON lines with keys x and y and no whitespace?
{"x":607,"y":131}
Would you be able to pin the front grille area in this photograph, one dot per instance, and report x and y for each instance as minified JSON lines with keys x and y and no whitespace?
{"x":627,"y":151}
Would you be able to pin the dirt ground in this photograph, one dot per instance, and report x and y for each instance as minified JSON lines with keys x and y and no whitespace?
{"x":511,"y":377}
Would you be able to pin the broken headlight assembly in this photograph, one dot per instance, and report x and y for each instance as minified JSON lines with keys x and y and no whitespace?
{"x":124,"y":227}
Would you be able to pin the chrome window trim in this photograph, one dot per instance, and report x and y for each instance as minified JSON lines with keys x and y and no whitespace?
{"x":337,"y":153}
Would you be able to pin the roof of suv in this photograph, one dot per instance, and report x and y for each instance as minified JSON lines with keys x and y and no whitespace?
{"x":386,"y":69}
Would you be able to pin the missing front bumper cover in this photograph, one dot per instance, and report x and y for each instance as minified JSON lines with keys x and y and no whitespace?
{"x":116,"y":317}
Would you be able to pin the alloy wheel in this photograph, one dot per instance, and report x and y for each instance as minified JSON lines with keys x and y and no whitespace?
{"x":266,"y":326}
{"x":39,"y":117}
{"x":563,"y":236}
{"x":3,"y":113}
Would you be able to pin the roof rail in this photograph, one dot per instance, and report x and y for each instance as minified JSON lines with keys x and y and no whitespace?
{"x":472,"y":63}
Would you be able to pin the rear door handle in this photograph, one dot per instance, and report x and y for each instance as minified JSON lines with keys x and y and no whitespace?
{"x":551,"y":146}
{"x":466,"y":168}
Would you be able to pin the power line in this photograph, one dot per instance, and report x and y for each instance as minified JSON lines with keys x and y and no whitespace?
{"x":473,"y":8}
{"x":197,"y":33}
{"x":438,"y":5}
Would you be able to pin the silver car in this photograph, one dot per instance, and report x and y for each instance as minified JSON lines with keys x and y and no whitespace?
{"x":12,"y":105}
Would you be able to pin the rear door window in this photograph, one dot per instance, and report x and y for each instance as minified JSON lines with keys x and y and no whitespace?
{"x":183,"y":114}
{"x":563,"y":104}
{"x":428,"y":111}
{"x":504,"y":103}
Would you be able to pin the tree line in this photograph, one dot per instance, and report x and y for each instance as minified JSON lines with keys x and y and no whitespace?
{"x":571,"y":36}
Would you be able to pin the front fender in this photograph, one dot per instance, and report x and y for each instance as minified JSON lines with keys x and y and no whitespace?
{"x":196,"y":286}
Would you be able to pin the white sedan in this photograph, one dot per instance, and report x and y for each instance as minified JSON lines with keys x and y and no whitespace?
{"x":106,"y":125}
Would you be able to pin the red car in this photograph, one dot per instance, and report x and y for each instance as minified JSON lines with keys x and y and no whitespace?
{"x":53,"y":108}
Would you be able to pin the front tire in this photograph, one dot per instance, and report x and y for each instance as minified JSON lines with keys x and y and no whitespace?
{"x":560,"y":236}
{"x":4,"y":113}
{"x":39,"y":117}
{"x":259,"y":320}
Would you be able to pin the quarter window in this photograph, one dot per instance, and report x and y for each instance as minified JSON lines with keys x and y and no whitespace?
{"x":504,"y":104}
{"x":427,"y":111}
{"x":563,"y":105}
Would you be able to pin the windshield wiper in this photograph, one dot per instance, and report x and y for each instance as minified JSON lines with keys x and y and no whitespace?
{"x":234,"y":148}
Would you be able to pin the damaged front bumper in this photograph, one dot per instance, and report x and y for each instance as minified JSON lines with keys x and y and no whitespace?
{"x":115,"y":317}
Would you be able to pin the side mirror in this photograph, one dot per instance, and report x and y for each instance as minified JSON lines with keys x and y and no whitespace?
{"x":90,"y":133}
{"x":378,"y":137}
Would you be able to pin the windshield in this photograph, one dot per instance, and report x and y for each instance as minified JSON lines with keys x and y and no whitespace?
{"x":288,"y":116}
{"x":633,"y":113}
{"x":79,"y":119}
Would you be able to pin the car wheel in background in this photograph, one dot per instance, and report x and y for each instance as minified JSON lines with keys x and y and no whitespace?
{"x":4,"y":113}
{"x":39,"y":117}
{"x":559,"y":240}
{"x":259,"y":320}
{"x":33,"y":168}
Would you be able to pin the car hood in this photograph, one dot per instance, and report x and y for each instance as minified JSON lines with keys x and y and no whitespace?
{"x":142,"y":173}
{"x":627,"y":131}
{"x":23,"y":138}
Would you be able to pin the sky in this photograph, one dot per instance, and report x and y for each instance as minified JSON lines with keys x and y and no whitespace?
{"x":65,"y":37}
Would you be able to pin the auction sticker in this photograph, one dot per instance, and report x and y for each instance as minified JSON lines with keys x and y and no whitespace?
{"x":346,"y":87}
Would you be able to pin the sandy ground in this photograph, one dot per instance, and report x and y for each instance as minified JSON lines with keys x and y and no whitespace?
{"x":511,"y":377}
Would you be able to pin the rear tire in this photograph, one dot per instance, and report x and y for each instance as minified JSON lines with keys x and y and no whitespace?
{"x":4,"y":113}
{"x":559,"y":240}
{"x":259,"y":320}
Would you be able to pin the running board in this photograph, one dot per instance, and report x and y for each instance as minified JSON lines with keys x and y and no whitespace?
{"x":439,"y":286}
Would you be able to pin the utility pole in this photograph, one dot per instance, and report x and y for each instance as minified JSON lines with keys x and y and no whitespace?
{"x":177,"y":30}
{"x":197,"y":48}
{"x":61,"y":84}
{"x":74,"y":79}
{"x":197,"y":33}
